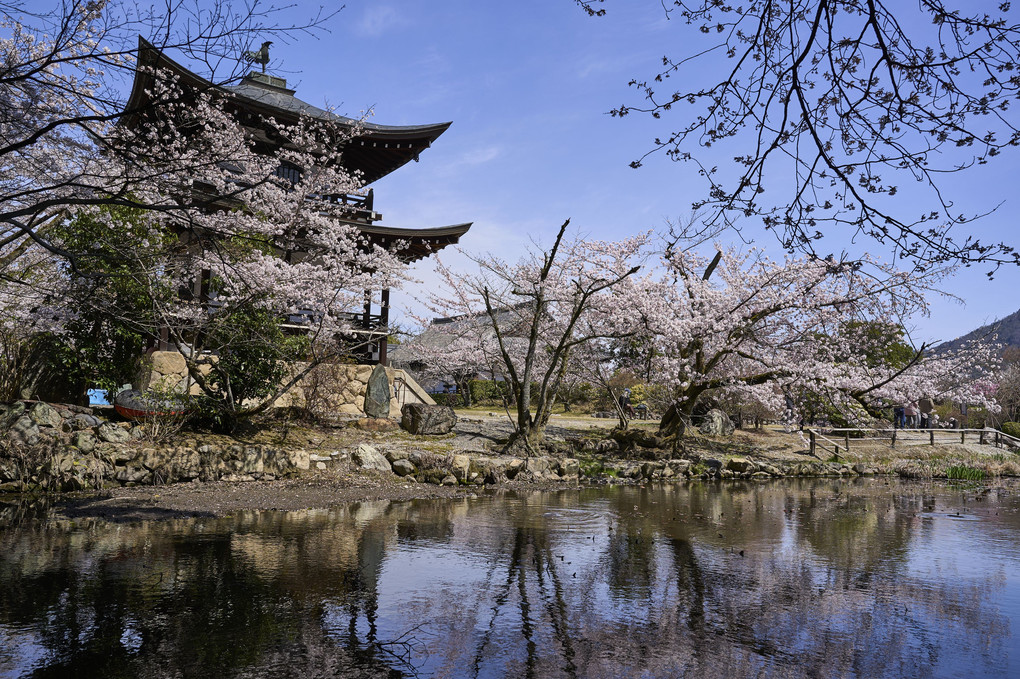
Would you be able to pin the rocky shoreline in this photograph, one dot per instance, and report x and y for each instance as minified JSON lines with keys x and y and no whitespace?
{"x":56,"y":448}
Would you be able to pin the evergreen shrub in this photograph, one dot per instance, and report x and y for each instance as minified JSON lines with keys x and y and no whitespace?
{"x":1011,"y":428}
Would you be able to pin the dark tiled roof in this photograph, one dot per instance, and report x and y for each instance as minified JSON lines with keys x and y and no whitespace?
{"x":376,"y":151}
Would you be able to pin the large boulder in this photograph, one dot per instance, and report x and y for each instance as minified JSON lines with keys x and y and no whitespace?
{"x":84,"y":441}
{"x":419,"y":418}
{"x":376,"y":424}
{"x":24,"y":431}
{"x":461,"y":467}
{"x":403,"y":467}
{"x":81,"y":421}
{"x":45,"y":415}
{"x":367,"y":457}
{"x":112,"y":433}
{"x":11,"y":414}
{"x":377,"y":394}
{"x":168,"y":363}
{"x":716,"y":423}
{"x":740,"y":465}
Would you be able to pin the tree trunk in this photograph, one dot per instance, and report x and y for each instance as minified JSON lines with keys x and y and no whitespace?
{"x":525,"y":441}
{"x":674,"y":422}
{"x":464,"y":387}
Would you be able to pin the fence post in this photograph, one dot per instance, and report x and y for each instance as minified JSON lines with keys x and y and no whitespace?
{"x":981,"y":437}
{"x":846,"y":440}
{"x":893,"y":439}
{"x":962,"y":434}
{"x":931,"y":435}
{"x":811,"y":433}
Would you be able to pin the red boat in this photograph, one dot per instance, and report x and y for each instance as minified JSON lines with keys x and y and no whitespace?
{"x":134,"y":405}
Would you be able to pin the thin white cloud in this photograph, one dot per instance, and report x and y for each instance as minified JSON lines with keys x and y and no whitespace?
{"x":379,"y":19}
{"x":481,"y":156}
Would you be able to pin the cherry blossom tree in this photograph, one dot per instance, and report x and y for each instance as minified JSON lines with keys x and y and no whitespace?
{"x":740,"y":323}
{"x":819,"y":116}
{"x":64,"y":73}
{"x":256,"y":250}
{"x":540,"y":310}
{"x":460,"y":348}
{"x":183,"y":203}
{"x":26,"y":313}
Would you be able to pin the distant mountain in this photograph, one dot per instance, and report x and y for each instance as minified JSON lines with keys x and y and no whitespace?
{"x":1007,"y":329}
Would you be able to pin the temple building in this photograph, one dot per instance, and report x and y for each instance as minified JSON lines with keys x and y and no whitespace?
{"x":373,"y":153}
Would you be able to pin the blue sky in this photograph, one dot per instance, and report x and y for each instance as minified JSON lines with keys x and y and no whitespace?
{"x":528,"y":85}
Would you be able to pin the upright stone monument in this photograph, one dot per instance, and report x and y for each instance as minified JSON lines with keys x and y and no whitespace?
{"x":377,"y":394}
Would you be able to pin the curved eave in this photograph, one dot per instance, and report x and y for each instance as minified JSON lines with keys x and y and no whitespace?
{"x":377,"y":152}
{"x":373,"y":154}
{"x":415,"y":244}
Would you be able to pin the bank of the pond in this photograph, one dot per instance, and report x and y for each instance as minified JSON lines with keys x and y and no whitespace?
{"x":291,"y":466}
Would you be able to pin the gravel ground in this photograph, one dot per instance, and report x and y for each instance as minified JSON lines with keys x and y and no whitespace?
{"x":220,"y":499}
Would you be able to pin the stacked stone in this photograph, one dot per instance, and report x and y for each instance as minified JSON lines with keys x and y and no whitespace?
{"x":479,"y":470}
{"x":66,"y":447}
{"x":168,"y":371}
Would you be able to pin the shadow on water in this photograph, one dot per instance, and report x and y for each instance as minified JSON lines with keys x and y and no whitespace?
{"x":123,"y":511}
{"x":799,"y":579}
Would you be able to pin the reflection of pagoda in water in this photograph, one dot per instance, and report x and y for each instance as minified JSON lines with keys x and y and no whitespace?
{"x":373,"y":153}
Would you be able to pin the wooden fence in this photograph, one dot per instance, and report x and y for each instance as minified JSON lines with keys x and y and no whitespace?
{"x":841,"y":438}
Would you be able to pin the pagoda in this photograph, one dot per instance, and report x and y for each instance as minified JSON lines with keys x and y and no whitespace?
{"x":372,"y":153}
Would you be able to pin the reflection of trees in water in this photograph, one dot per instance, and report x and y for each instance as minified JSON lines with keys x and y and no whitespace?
{"x":858,"y":528}
{"x":733,"y":614}
{"x":523,"y":627}
{"x":620,"y":582}
{"x":680,"y":599}
{"x":244,"y":598}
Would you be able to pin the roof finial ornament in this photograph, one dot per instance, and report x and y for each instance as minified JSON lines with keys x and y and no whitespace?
{"x":260,"y":57}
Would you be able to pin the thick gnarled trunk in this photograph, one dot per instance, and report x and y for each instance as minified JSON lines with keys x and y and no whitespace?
{"x":675,"y":421}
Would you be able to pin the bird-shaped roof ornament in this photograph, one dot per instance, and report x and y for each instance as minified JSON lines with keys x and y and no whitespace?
{"x":261,"y":56}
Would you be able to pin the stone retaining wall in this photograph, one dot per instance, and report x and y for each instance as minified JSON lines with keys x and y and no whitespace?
{"x":339,"y":388}
{"x":69,"y":448}
{"x":63,"y":448}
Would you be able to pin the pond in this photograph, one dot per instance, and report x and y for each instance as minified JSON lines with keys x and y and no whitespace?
{"x":795,"y":578}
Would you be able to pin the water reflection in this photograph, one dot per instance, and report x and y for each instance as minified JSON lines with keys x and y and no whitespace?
{"x":799,"y":578}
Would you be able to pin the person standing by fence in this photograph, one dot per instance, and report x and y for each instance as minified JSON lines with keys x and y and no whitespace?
{"x":927,"y":407}
{"x":910,"y":414}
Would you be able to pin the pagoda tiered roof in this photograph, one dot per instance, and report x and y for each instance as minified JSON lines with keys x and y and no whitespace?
{"x":374,"y":152}
{"x":414,"y":244}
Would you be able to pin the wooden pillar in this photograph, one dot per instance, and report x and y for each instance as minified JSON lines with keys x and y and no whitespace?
{"x":385,"y":315}
{"x":981,"y":437}
{"x":846,"y":440}
{"x":811,"y":433}
{"x":931,"y":436}
{"x":893,"y":445}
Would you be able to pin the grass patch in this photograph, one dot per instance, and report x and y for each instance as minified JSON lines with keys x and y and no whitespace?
{"x":698,"y":468}
{"x":965,"y":473}
{"x":595,"y":467}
